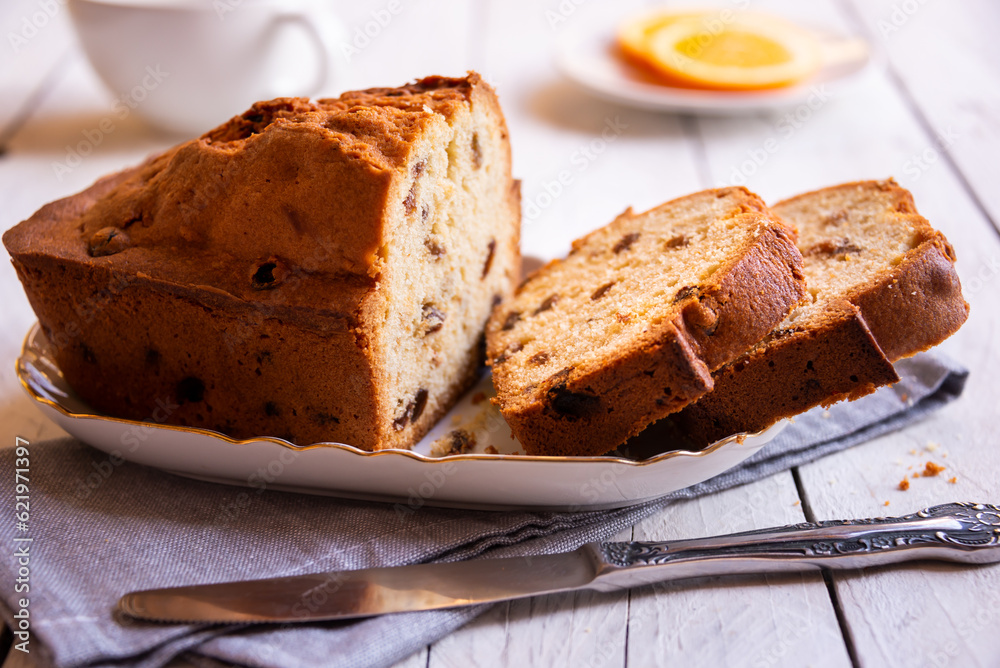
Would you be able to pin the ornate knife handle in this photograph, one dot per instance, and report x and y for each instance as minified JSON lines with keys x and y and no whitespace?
{"x":963,"y":532}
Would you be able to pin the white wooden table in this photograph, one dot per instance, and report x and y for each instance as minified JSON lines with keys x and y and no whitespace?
{"x":928,"y":113}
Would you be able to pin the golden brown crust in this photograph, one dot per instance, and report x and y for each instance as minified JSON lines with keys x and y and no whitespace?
{"x":244,"y":268}
{"x":918,"y":304}
{"x":790,"y":372}
{"x":219,"y":217}
{"x":228,"y":368}
{"x":903,"y":309}
{"x":592,"y":413}
{"x":757,"y":288}
{"x":589,"y":408}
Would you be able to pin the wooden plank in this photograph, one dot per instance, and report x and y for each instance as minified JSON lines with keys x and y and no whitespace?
{"x":783,"y":152}
{"x":549,"y":123}
{"x":551,"y":126}
{"x":582,"y":161}
{"x":945,"y":59}
{"x":584,"y":628}
{"x":939,"y":612}
{"x":651,"y":161}
{"x":390,"y":42}
{"x":935,"y":615}
{"x":750,"y":621}
{"x":915,"y":614}
{"x":416,"y":660}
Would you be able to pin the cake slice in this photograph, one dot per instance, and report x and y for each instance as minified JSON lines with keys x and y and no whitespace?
{"x":882,"y":286}
{"x":317,"y":271}
{"x":629,"y":327}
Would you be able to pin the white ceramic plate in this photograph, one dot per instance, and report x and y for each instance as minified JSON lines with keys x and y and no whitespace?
{"x":586,"y":54}
{"x":410,"y":479}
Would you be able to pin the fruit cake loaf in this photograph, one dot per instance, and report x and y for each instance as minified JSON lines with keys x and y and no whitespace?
{"x":629,"y":327}
{"x":883,"y":286}
{"x":317,"y":271}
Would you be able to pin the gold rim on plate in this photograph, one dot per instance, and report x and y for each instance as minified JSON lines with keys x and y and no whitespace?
{"x":35,"y":348}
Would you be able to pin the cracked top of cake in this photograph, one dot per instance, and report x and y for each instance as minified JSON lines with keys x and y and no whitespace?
{"x":290,"y":188}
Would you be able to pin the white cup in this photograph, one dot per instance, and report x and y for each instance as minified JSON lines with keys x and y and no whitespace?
{"x":188,"y":65}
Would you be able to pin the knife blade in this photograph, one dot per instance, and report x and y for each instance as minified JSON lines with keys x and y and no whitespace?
{"x":959,"y":532}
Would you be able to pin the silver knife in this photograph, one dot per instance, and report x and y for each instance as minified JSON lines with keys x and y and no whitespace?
{"x":961,"y":532}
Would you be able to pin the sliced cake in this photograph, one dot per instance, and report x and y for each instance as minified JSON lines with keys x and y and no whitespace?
{"x":629,"y":327}
{"x":882,"y":286}
{"x":318,"y":271}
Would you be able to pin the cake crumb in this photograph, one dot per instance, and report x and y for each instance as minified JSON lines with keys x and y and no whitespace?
{"x":825,"y":415}
{"x":953,"y":480}
{"x":904,"y":485}
{"x":932,"y":469}
{"x":490,"y":450}
{"x":797,"y":503}
{"x":932,"y":446}
{"x":455,"y":442}
{"x":886,"y":503}
{"x":913,"y":452}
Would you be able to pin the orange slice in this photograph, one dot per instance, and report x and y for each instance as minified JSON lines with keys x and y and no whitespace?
{"x":722,"y":50}
{"x":634,"y":34}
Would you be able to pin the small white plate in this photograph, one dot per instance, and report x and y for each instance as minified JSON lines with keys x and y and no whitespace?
{"x":586,"y":53}
{"x":408,"y":479}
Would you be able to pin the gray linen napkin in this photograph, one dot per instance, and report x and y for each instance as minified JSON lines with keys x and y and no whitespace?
{"x":140,"y":528}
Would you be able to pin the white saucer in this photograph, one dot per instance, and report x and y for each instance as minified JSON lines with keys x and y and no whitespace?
{"x":586,"y":53}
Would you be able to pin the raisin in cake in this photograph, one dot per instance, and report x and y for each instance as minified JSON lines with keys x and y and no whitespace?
{"x":318,"y":271}
{"x":629,"y":327}
{"x":882,"y":286}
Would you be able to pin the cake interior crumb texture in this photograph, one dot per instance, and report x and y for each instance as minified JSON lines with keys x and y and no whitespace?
{"x":312,"y":270}
{"x":882,"y":285}
{"x":859,"y":242}
{"x":616,"y":284}
{"x":629,"y":326}
{"x":847,"y":239}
